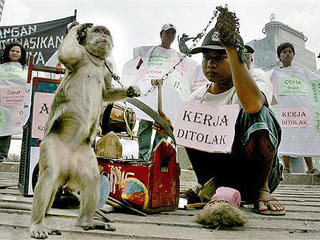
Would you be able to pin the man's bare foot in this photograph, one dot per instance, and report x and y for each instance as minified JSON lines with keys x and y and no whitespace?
{"x":268,"y":205}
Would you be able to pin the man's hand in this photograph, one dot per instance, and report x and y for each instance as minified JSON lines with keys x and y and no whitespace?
{"x":227,"y":27}
{"x":156,"y":126}
{"x":227,"y":30}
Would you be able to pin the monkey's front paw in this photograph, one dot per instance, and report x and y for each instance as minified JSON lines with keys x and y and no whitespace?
{"x":72,"y":24}
{"x":133,"y":91}
{"x":82,"y":30}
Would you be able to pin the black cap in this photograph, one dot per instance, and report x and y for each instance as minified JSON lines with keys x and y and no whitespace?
{"x":208,"y":43}
{"x":249,"y":49}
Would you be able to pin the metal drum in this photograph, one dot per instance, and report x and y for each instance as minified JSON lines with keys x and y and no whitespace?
{"x":114,"y":119}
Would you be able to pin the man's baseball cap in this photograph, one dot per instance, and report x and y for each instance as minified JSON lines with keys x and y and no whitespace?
{"x":209,"y":43}
{"x":249,"y":49}
{"x":167,"y":26}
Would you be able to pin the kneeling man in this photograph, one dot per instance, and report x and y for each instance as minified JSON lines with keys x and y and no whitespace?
{"x":253,"y":166}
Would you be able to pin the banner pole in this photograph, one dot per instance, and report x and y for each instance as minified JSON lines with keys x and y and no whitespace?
{"x":75,"y":14}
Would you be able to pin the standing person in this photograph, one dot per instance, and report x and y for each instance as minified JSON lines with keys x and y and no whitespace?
{"x":167,"y":35}
{"x":286,"y":53}
{"x":154,"y":62}
{"x":253,"y":167}
{"x":14,"y":54}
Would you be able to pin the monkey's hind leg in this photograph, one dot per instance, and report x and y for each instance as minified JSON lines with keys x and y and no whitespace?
{"x":89,"y":186}
{"x":44,"y":193}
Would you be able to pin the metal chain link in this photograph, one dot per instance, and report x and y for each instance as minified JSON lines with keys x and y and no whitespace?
{"x":113,"y":75}
{"x":164,"y":77}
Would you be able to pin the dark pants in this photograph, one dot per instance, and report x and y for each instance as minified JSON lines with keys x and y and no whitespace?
{"x":145,"y":133}
{"x":4,"y":146}
{"x":235,"y":170}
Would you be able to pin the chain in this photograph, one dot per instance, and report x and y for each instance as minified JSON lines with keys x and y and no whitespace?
{"x":164,"y":77}
{"x":195,"y":42}
{"x":113,"y":75}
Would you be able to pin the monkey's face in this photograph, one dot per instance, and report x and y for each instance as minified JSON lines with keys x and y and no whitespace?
{"x":99,"y":41}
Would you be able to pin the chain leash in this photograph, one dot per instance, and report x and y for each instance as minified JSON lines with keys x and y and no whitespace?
{"x":164,"y":77}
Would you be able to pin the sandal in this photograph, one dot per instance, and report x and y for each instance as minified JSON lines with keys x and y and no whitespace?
{"x":268,"y":211}
{"x":190,"y":195}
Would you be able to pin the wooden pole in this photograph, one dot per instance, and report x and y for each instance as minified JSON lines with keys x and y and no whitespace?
{"x":75,"y":14}
{"x":160,"y":96}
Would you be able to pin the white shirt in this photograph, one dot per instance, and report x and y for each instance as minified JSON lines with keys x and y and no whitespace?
{"x":230,"y":96}
{"x":156,"y":62}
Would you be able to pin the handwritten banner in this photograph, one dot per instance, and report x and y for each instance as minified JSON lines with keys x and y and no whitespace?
{"x":206,"y":127}
{"x":13,"y":79}
{"x":298,"y":93}
{"x":295,"y":117}
{"x":153,"y":62}
{"x":291,"y":86}
{"x":12,"y":96}
{"x":41,"y":107}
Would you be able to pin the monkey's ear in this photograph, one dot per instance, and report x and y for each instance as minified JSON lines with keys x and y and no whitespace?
{"x":82,"y":32}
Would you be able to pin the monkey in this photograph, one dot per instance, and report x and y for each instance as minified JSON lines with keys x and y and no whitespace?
{"x":66,"y":156}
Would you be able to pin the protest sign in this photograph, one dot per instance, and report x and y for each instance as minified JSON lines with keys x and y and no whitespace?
{"x":41,"y":40}
{"x":41,"y":109}
{"x":206,"y":127}
{"x":13,"y":79}
{"x":297,"y":91}
{"x":154,"y":62}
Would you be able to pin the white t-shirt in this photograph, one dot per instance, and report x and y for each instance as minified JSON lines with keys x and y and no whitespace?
{"x":155,"y":62}
{"x":230,"y":96}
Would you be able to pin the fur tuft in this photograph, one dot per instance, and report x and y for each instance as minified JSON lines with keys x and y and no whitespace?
{"x":221,"y":214}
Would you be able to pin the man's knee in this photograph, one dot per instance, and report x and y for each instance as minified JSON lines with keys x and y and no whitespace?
{"x":259,"y":146}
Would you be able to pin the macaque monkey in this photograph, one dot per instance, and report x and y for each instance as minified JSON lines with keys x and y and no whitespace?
{"x":66,"y":156}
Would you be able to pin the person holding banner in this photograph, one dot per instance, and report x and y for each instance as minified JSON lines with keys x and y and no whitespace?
{"x":286,"y":53}
{"x":253,"y":166}
{"x":149,"y":64}
{"x":13,"y":58}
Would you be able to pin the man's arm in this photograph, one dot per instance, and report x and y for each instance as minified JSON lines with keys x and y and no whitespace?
{"x":251,"y":98}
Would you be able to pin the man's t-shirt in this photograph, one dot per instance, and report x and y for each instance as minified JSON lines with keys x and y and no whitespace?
{"x":230,"y":96}
{"x":154,"y":62}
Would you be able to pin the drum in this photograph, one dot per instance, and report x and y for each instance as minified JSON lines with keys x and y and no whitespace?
{"x":114,"y":118}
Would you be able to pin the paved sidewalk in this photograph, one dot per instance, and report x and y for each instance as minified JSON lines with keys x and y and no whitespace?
{"x":302,"y":220}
